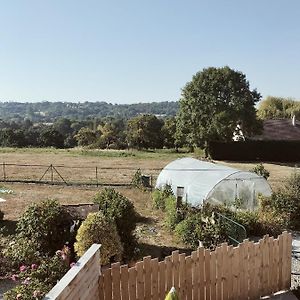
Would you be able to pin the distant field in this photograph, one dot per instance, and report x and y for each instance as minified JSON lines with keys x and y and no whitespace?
{"x":152,"y":230}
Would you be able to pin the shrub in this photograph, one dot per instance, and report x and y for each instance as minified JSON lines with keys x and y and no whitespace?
{"x":119,"y":208}
{"x":96,"y":228}
{"x":196,"y":227}
{"x":45,"y":224}
{"x":261,"y":171}
{"x":286,"y":202}
{"x":174,"y":215}
{"x":22,"y":251}
{"x":159,"y":197}
{"x":37,"y":280}
{"x":137,"y":180}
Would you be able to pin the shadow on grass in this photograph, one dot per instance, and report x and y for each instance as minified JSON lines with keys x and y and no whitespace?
{"x":160,"y":252}
{"x":145,"y":220}
{"x":8,"y":227}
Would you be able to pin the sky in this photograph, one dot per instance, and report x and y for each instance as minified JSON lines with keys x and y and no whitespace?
{"x":142,"y":51}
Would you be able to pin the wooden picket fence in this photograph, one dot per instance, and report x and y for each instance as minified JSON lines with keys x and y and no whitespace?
{"x":248,"y":271}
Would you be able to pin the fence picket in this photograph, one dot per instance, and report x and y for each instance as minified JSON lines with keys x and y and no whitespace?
{"x":207,"y":273}
{"x":249,"y":271}
{"x":147,"y":276}
{"x":132,"y":283}
{"x":182,"y":276}
{"x":175,"y":262}
{"x":201,"y":274}
{"x":124,"y":282}
{"x":116,"y":274}
{"x":107,"y":284}
{"x":162,"y":290}
{"x":195,"y":282}
{"x":154,"y":278}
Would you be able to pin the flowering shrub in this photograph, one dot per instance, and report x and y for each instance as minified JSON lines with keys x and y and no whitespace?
{"x":36,"y":280}
{"x":46,"y":225}
{"x":98,"y":229}
{"x":21,"y":251}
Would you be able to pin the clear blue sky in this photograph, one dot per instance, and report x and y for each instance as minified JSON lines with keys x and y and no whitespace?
{"x":140,"y":50}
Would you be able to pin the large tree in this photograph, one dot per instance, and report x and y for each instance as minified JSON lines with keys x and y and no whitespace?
{"x":212,"y":104}
{"x":144,"y":131}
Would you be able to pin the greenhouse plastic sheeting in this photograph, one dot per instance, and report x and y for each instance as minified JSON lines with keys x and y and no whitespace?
{"x":204,"y":181}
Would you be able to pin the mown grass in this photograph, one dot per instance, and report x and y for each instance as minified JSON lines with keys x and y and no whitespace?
{"x":144,"y":154}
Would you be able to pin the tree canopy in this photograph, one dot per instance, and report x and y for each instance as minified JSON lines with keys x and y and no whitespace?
{"x":212,"y":104}
{"x":278,"y":108}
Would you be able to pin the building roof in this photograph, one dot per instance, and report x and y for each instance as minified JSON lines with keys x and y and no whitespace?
{"x":279,"y":130}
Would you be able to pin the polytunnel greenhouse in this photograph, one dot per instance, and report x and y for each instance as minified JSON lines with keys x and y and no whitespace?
{"x":201,"y":181}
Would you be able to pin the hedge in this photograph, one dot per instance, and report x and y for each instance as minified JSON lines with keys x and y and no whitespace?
{"x":279,"y":151}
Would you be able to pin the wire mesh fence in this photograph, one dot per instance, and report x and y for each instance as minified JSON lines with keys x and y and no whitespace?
{"x":72,"y":175}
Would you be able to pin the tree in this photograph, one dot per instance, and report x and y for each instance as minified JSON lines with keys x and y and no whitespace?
{"x":49,"y":137}
{"x":169,"y":130}
{"x":212,"y":104}
{"x":144,"y":132}
{"x":277,"y":107}
{"x":85,"y":136}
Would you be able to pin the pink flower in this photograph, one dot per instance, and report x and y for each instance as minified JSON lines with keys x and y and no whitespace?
{"x":14,"y":277}
{"x":36,"y":293}
{"x":34,"y":266}
{"x":72,"y":264}
{"x":23,"y":268}
{"x":26,"y":281}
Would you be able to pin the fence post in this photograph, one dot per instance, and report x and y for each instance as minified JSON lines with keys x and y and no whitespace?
{"x":97,"y":176}
{"x":4,"y":174}
{"x":51,"y":173}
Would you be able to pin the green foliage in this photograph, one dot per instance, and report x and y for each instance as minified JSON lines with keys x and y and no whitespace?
{"x":37,"y":280}
{"x":212,"y":104}
{"x":118,"y":208}
{"x":97,"y":228}
{"x":137,"y":180}
{"x":85,"y":136}
{"x":159,"y":197}
{"x":278,"y":108}
{"x":46,"y":225}
{"x":22,"y":250}
{"x":198,"y":227}
{"x":144,"y":132}
{"x":286,"y":201}
{"x":261,"y":171}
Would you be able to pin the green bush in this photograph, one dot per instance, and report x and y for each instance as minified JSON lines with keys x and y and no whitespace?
{"x":261,"y":171}
{"x":197,"y":227}
{"x":174,"y":215}
{"x":119,"y":208}
{"x":22,"y":251}
{"x":286,"y":202}
{"x":97,"y":228}
{"x":36,"y":280}
{"x":159,"y":197}
{"x":46,"y":225}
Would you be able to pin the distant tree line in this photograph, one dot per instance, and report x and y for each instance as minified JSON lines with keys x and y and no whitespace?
{"x":141,"y":132}
{"x":51,"y":111}
{"x":213,"y":105}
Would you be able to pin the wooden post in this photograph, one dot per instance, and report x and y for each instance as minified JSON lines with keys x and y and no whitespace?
{"x":4,"y":174}
{"x":97,"y":175}
{"x":51,"y":173}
